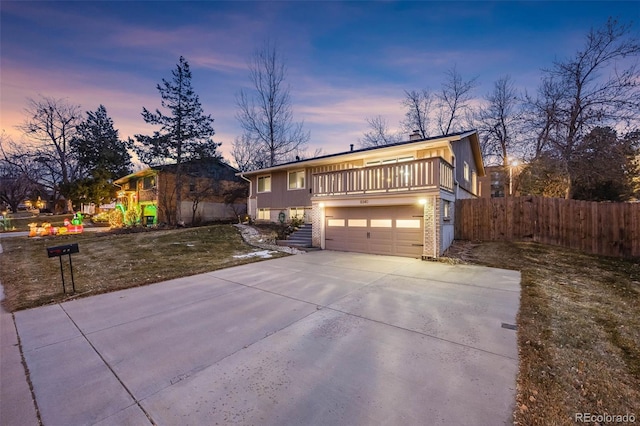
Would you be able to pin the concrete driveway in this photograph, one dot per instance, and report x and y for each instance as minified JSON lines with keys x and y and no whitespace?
{"x":324,"y":338}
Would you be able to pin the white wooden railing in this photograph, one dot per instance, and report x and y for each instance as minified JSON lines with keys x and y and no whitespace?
{"x":405,"y":176}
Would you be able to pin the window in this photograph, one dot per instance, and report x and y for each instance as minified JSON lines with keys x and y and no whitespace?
{"x":296,"y":212}
{"x":358,"y":223}
{"x":408,"y":223}
{"x":147,"y":182}
{"x":264,"y":214}
{"x":296,"y":180}
{"x":192,"y":185}
{"x":474,"y":182}
{"x":467,"y":171}
{"x":264,"y":183}
{"x":335,"y":222}
{"x":446,"y":210}
{"x":381,"y":223}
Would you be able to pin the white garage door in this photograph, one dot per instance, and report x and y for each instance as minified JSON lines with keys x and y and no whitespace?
{"x":397,"y":230}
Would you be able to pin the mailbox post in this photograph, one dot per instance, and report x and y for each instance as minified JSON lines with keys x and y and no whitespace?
{"x":59,"y":251}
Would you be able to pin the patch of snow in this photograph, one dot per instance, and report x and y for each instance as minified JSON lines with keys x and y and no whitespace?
{"x":264,"y":254}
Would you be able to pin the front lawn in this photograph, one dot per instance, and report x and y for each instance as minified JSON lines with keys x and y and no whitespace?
{"x":109,"y":261}
{"x":578,"y":331}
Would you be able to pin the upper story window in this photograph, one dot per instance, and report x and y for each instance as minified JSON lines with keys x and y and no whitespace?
{"x":390,"y":160}
{"x":296,"y":179}
{"x":467,"y":172}
{"x":474,"y":182}
{"x":264,"y":183}
{"x":148,"y":182}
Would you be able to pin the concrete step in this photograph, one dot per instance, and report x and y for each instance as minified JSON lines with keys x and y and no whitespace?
{"x":289,"y":243}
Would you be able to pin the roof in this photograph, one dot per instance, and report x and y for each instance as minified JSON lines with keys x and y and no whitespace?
{"x":201,"y":166}
{"x":471,"y":134}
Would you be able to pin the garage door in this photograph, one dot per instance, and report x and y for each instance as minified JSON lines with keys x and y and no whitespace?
{"x":397,"y":230}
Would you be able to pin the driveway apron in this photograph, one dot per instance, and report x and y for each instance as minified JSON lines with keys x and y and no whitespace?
{"x":322,"y":338}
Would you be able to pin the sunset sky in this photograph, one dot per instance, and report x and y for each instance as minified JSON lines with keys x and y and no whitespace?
{"x":346,"y":60}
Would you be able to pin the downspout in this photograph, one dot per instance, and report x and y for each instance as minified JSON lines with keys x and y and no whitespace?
{"x":250,"y":192}
{"x":438,"y":230}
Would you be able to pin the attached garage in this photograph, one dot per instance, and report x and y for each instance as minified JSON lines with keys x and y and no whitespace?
{"x":388,"y":230}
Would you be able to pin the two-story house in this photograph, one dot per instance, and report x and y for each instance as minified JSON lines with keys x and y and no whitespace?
{"x":395,"y":199}
{"x":150,"y":194}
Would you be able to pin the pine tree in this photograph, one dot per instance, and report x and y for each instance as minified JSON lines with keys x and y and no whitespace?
{"x":101,"y":157}
{"x":99,"y":147}
{"x":185,"y":133}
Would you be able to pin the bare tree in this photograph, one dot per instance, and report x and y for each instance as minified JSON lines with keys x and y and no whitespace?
{"x":595,"y":89}
{"x":50,"y":125}
{"x":418,"y":104}
{"x":539,"y":122}
{"x":16,"y":185}
{"x":453,"y":100}
{"x":248,"y":155}
{"x":379,"y":133}
{"x":266,"y":114}
{"x":200,"y":190}
{"x":499,"y":120}
{"x":233,"y":193}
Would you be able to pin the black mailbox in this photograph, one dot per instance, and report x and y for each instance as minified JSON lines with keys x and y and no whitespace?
{"x":59,"y":251}
{"x":62,"y":250}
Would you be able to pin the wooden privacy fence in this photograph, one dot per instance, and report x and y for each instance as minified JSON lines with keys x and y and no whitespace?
{"x":610,"y":229}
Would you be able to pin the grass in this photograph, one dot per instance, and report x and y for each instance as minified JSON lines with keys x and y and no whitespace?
{"x":109,"y":261}
{"x":578,"y":331}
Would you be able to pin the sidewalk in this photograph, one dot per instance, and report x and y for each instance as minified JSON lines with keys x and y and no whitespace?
{"x":16,"y":404}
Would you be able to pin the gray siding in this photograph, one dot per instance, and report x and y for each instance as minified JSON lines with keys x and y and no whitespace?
{"x":463,"y":153}
{"x":281,"y":197}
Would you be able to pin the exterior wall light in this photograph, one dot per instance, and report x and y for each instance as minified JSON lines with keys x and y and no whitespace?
{"x":422,"y":201}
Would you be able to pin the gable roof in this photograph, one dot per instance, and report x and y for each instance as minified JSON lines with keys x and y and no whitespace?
{"x":431,"y":141}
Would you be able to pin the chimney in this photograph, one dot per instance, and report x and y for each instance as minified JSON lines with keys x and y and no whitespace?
{"x":416,"y":135}
{"x":351,"y":147}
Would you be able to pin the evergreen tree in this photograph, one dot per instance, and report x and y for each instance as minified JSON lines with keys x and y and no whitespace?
{"x":101,"y":157}
{"x":99,"y":147}
{"x":185,"y":133}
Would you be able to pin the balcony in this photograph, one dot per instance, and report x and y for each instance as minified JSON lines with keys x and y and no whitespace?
{"x":427,"y":173}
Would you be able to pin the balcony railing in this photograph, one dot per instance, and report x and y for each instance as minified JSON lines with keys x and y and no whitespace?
{"x":427,"y":173}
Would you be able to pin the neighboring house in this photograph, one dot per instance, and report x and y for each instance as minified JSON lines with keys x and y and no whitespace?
{"x":395,"y":199}
{"x":149,"y":196}
{"x":492,"y":184}
{"x":499,"y":182}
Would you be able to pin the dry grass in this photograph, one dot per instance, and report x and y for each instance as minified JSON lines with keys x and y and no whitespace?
{"x":578,"y":331}
{"x":108,"y":262}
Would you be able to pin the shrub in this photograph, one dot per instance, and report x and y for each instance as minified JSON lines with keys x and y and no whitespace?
{"x":116,"y":218}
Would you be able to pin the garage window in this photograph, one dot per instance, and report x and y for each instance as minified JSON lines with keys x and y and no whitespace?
{"x":335,"y":222}
{"x":381,"y":223}
{"x":408,"y":223}
{"x":358,"y":223}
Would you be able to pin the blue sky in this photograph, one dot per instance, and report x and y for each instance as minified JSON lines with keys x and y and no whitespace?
{"x":346,"y":60}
